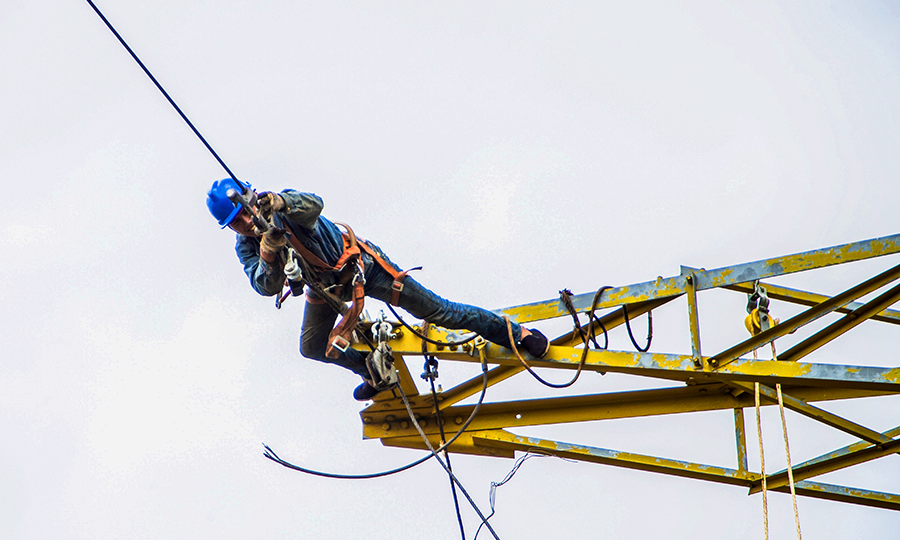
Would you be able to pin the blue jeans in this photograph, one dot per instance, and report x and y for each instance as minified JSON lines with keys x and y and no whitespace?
{"x":319,"y":319}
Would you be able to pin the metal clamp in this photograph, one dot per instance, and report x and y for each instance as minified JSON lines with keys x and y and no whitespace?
{"x":758,"y":318}
{"x":359,"y":277}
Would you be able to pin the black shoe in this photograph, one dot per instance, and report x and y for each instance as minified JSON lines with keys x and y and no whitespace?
{"x":365,"y":392}
{"x":536,"y":344}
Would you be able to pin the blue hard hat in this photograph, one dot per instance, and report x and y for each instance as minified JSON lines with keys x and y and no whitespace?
{"x":220,"y":206}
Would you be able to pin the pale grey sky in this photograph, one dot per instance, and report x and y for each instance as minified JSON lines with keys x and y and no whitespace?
{"x":513,"y":149}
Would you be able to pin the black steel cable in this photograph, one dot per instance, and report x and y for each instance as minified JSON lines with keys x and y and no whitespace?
{"x":431,"y":376}
{"x":270,"y":454}
{"x":426,"y":338}
{"x":584,"y":351}
{"x":438,"y":458}
{"x":649,"y":329}
{"x":565,"y":297}
{"x":593,"y":336}
{"x":163,"y":90}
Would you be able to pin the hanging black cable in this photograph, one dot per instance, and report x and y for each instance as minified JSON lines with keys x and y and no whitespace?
{"x":605,"y":333}
{"x":270,"y":454}
{"x":453,"y":477}
{"x":163,"y":90}
{"x":649,"y":329}
{"x":431,"y":365}
{"x":565,"y":297}
{"x":425,"y":338}
{"x":585,"y":337}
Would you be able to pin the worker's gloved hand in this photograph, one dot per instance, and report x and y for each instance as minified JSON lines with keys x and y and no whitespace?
{"x":270,"y":202}
{"x":273,"y":240}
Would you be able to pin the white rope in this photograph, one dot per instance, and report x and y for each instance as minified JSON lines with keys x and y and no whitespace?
{"x":762,"y":462}
{"x":787,"y":451}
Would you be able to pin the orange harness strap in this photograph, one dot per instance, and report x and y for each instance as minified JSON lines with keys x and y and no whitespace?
{"x":339,"y":338}
{"x":397,"y":286}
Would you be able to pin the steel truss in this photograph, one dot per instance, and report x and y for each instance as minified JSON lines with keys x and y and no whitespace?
{"x":721,"y":381}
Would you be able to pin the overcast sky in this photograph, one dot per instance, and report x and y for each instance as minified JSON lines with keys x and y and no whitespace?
{"x":513,"y":149}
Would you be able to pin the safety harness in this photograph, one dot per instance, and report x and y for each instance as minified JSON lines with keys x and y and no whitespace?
{"x":351,"y":272}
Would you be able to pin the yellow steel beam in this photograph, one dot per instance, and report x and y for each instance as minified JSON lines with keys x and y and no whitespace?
{"x":805,"y":298}
{"x":467,"y":443}
{"x":839,"y":459}
{"x":389,"y":420}
{"x":681,"y":368}
{"x":710,"y":473}
{"x":672,"y":366}
{"x":829,"y":492}
{"x":474,"y":385}
{"x":505,"y":440}
{"x":740,"y":436}
{"x":806,"y":317}
{"x":841,"y":326}
{"x":610,"y":320}
{"x":707,"y":279}
{"x":694,"y":319}
{"x":833,"y":420}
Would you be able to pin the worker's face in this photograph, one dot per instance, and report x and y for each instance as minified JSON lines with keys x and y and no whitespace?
{"x":243,"y":225}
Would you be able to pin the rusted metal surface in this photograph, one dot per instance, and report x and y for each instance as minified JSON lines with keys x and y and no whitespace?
{"x":708,"y":279}
{"x":703,"y":383}
{"x":740,"y":437}
{"x":806,"y":317}
{"x":834,"y":461}
{"x":685,"y":469}
{"x":833,"y":420}
{"x":845,"y":324}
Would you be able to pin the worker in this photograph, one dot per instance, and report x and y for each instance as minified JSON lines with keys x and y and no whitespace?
{"x":297,"y":220}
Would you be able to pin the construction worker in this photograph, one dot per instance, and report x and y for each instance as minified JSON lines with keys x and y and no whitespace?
{"x":298,"y":222}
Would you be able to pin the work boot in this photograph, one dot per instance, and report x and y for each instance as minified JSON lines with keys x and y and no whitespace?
{"x":365,"y":392}
{"x":536,"y":343}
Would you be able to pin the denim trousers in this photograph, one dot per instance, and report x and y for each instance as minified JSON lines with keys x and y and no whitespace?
{"x":319,"y":319}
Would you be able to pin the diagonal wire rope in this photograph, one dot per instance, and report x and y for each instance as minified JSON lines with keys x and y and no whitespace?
{"x":161,"y":89}
{"x":431,"y":374}
{"x":434,"y":452}
{"x":787,"y":451}
{"x":762,"y":461}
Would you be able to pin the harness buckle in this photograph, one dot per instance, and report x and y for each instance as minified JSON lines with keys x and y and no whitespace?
{"x":397,"y":286}
{"x":340,"y":344}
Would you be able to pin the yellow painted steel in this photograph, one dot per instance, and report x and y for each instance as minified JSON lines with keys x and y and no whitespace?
{"x":805,"y":298}
{"x":740,"y":436}
{"x":505,"y":440}
{"x":842,"y":326}
{"x":694,"y":320}
{"x":839,"y":461}
{"x":833,"y":420}
{"x":702,"y":383}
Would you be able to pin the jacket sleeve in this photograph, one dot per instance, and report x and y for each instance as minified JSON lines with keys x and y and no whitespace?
{"x":266,"y":279}
{"x":302,"y":208}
